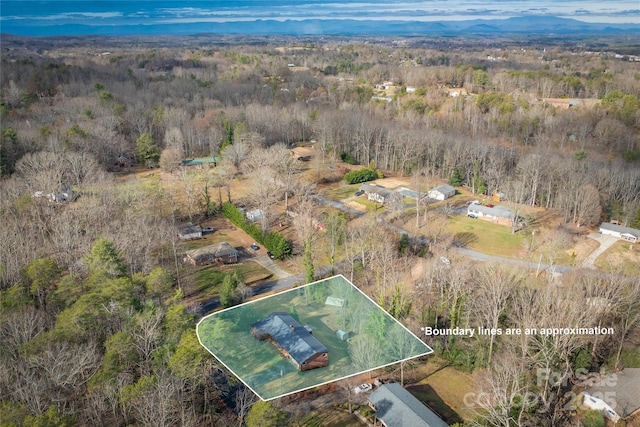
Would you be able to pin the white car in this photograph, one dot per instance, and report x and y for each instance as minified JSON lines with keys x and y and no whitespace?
{"x":363,"y":388}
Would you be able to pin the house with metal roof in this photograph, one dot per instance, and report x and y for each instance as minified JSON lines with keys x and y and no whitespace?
{"x":625,"y":233}
{"x":200,"y":162}
{"x":293,"y":340}
{"x":396,"y":407}
{"x":441,"y":192}
{"x":495,"y":214}
{"x":380,"y":194}
{"x":219,"y":253}
{"x":617,"y":395}
{"x":190,"y":232}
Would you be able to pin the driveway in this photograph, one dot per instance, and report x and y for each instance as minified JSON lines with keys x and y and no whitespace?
{"x":605,"y":241}
{"x":338,"y":205}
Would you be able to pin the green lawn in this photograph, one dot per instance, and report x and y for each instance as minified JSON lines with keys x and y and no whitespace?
{"x":342,"y":191}
{"x":443,"y":388}
{"x":370,"y":205}
{"x":209,"y":279}
{"x":329,"y":417}
{"x":486,"y":237}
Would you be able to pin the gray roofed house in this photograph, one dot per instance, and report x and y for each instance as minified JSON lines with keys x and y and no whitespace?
{"x":221,"y":253}
{"x":441,"y":192}
{"x":292,"y":339}
{"x":497,"y":214}
{"x":625,"y":233}
{"x":380,"y":194}
{"x":617,"y":395}
{"x":396,"y":407}
{"x":190,"y":232}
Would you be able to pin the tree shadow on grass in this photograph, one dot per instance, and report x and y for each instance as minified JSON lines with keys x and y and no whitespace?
{"x":430,"y":398}
{"x":465,"y":238}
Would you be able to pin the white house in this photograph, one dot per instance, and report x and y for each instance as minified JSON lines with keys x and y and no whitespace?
{"x":190,"y":232}
{"x":617,"y":395}
{"x":441,"y":192}
{"x":377,"y":193}
{"x":495,"y":214}
{"x":625,"y":233}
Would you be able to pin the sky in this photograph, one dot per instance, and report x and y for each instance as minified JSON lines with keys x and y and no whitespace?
{"x":31,"y":17}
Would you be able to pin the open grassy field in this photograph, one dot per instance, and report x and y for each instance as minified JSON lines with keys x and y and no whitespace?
{"x":486,"y":237}
{"x":443,"y":388}
{"x":623,"y":256}
{"x":329,"y":417}
{"x":340,"y":191}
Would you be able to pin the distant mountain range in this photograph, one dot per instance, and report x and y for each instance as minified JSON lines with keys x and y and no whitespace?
{"x":534,"y":25}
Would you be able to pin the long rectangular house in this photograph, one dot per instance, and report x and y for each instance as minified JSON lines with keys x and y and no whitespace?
{"x":292,"y":340}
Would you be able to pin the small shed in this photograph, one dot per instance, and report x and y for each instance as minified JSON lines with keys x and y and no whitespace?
{"x":343,"y":335}
{"x":335,"y":301}
{"x":255,"y":215}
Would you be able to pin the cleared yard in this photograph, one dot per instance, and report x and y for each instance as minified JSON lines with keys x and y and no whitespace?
{"x":329,"y":417}
{"x":486,"y":237}
{"x":443,"y":389}
{"x":622,"y":255}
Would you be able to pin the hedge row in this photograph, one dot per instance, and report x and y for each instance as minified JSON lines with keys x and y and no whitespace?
{"x":361,"y":175}
{"x":274,"y":242}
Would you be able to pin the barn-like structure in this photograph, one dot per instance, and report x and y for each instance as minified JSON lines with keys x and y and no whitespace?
{"x":293,"y":340}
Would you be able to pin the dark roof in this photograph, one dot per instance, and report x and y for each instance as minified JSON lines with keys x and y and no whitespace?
{"x":191,"y":229}
{"x":625,"y":386}
{"x":217,"y":249}
{"x":396,"y":407}
{"x":296,"y":341}
{"x":620,"y":229}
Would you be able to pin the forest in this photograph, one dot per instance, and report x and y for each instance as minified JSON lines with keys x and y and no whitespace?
{"x":98,"y":311}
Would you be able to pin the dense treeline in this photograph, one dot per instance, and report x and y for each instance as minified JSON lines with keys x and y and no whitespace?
{"x":93,"y":329}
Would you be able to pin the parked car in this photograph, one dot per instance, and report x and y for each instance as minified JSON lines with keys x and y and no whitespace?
{"x":445,"y":260}
{"x":472,"y":216}
{"x":489,"y":205}
{"x":270,"y":255}
{"x":255,"y":247}
{"x":363,"y":388}
{"x":206,"y":230}
{"x":359,"y":193}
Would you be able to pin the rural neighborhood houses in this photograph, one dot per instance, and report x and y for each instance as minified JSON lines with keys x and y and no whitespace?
{"x":442,"y":192}
{"x":617,"y":395}
{"x":293,"y":340}
{"x":495,"y":214}
{"x":396,"y":407}
{"x":219,"y":253}
{"x":625,"y":233}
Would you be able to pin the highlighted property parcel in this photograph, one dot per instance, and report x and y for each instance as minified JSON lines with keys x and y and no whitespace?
{"x":305,"y":337}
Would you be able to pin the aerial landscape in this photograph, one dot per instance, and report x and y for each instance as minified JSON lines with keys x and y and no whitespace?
{"x":315,"y":213}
